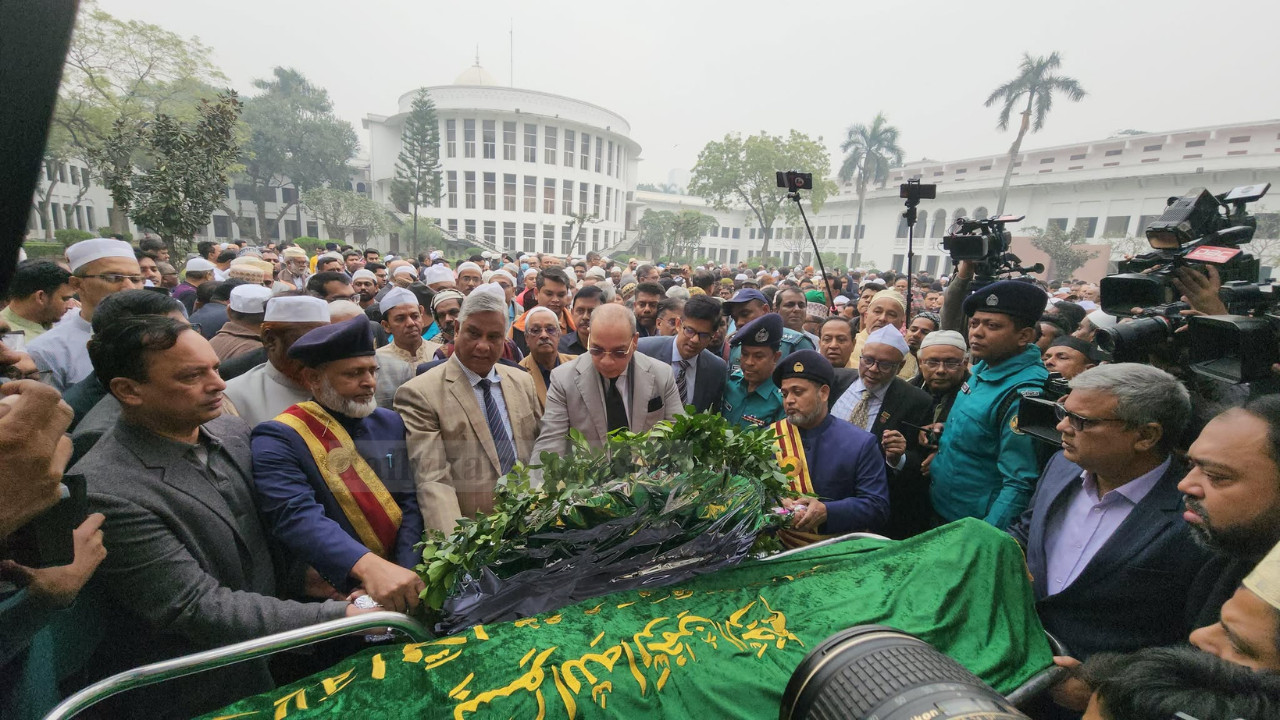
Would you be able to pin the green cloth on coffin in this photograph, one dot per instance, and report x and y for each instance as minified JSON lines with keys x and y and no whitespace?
{"x":723,"y":645}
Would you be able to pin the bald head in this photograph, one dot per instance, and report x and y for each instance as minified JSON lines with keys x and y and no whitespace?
{"x":617,"y":317}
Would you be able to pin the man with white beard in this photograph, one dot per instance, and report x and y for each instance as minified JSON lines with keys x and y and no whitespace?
{"x":332,"y":476}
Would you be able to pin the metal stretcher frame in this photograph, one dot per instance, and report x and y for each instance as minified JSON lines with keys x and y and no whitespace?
{"x":231,"y":654}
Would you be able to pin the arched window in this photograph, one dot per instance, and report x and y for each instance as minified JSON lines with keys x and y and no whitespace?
{"x":939,"y":223}
{"x":922,"y":223}
{"x":980,"y":213}
{"x":959,"y":213}
{"x":360,"y":187}
{"x":350,"y":186}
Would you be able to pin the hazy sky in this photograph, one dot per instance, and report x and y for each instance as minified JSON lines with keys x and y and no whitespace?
{"x":684,"y":73}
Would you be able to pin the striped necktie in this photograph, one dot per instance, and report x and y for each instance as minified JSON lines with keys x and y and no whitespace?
{"x":501,"y":441}
{"x":680,"y":382}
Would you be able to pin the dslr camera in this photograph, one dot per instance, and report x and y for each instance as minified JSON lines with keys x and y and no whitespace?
{"x":986,"y":243}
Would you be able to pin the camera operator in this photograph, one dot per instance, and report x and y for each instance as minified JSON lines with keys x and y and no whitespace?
{"x":1069,"y":356}
{"x":985,"y":467}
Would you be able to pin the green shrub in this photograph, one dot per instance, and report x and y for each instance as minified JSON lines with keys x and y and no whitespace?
{"x":71,"y":236}
{"x":47,"y":250}
{"x":106,"y":232}
{"x":310,"y":244}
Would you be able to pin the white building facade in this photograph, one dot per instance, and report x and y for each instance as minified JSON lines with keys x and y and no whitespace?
{"x":1111,"y":188}
{"x":518,"y":166}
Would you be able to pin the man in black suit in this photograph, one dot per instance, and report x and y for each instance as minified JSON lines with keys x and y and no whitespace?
{"x":585,"y":301}
{"x":875,"y":399}
{"x":1110,"y":555}
{"x":699,"y":374}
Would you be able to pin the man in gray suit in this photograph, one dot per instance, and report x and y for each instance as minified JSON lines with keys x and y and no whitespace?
{"x":699,"y":374}
{"x":608,"y":388}
{"x":188,"y":563}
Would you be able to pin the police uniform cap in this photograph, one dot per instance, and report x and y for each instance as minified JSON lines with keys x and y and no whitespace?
{"x":339,"y":341}
{"x":806,"y":364}
{"x":742,"y":296}
{"x":764,"y":331}
{"x":1008,"y":297}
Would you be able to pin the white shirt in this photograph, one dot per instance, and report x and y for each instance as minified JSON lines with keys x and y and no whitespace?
{"x":263,"y":393}
{"x":495,"y":390}
{"x":690,"y":375}
{"x":851,"y":397}
{"x":62,"y":354}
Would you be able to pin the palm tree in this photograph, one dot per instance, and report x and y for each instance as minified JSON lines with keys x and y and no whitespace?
{"x":1035,"y":80}
{"x":871,"y":151}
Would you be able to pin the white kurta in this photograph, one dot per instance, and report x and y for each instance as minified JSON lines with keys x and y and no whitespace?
{"x":261,"y":394}
{"x":62,"y":353}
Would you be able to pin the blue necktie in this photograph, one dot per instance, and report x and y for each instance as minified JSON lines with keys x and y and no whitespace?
{"x":501,"y":441}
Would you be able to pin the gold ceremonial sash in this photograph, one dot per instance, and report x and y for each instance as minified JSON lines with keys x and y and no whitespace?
{"x":369,"y":507}
{"x":791,"y":457}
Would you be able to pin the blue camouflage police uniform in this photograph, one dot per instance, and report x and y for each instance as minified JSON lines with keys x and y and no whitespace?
{"x":985,"y":467}
{"x":763,"y":405}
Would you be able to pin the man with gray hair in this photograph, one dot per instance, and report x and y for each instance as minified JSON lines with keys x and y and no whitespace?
{"x":1108,"y":549}
{"x":470,"y":418}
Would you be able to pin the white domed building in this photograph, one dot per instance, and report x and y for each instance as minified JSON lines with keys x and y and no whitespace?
{"x":517,"y":166}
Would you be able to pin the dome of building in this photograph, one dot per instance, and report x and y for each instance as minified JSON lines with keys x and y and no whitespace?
{"x":475,"y":75}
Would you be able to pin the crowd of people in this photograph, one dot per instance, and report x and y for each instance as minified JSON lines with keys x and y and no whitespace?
{"x":264,"y":434}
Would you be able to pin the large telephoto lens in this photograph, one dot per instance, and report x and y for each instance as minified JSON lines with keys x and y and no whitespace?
{"x":875,"y":671}
{"x":1133,"y":341}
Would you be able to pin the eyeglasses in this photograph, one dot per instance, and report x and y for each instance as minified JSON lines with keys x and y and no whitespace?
{"x":669,"y":322}
{"x":691,"y":333}
{"x":886,"y":365}
{"x":616,"y":354}
{"x":1079,"y":422}
{"x":537,"y":330}
{"x":934,"y":364}
{"x":115,"y":278}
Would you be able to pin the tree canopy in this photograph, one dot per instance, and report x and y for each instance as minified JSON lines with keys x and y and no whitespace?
{"x":674,"y":234}
{"x":344,"y":213}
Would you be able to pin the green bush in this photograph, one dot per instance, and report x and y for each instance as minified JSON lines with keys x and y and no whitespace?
{"x":70,"y":236}
{"x":472,"y":251}
{"x":47,"y":250}
{"x":106,"y":232}
{"x":310,"y":244}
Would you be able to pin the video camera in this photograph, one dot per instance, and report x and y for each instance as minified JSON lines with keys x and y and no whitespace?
{"x":1196,"y":229}
{"x":986,"y":243}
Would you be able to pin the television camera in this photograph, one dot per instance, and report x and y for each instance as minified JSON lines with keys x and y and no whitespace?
{"x":985,"y":242}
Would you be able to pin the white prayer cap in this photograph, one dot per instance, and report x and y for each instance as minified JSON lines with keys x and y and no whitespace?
{"x":841,"y":300}
{"x":486,"y":255}
{"x":197,"y":264}
{"x":297,"y":309}
{"x":325,"y":257}
{"x":341,"y":310}
{"x":944,"y":337}
{"x":595,"y":272}
{"x":249,"y":299}
{"x":405,"y":270}
{"x":363,"y":274}
{"x":493,"y":289}
{"x":1264,"y":581}
{"x":437,"y":254}
{"x":294,"y":252}
{"x":397,"y":297}
{"x":891,"y":336}
{"x":531,"y":272}
{"x":511,"y":278}
{"x":437,"y":274}
{"x":468,"y":266}
{"x":740,"y":277}
{"x":1100,"y":319}
{"x":86,"y":251}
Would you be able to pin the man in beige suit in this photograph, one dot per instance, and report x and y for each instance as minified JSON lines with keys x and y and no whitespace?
{"x":469,"y":419}
{"x":610,"y":387}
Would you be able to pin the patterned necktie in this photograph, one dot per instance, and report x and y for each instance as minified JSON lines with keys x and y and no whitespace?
{"x":862,"y":410}
{"x":501,"y":441}
{"x":615,"y":410}
{"x":680,"y":381}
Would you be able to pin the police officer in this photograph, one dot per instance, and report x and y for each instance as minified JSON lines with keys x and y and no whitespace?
{"x":985,"y":467}
{"x":751,"y":399}
{"x":750,"y":304}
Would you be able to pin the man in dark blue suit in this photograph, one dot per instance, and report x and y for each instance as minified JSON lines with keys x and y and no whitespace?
{"x":1110,"y":555}
{"x":332,"y":475}
{"x":699,"y":374}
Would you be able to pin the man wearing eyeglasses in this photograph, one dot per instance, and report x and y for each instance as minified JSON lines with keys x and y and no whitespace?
{"x":611,"y":387}
{"x":99,"y":267}
{"x":1110,"y":555}
{"x":985,"y":467}
{"x":944,"y":367}
{"x":700,"y":375}
{"x":669,"y":311}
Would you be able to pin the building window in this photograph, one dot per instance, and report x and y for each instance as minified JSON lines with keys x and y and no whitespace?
{"x":451,"y":192}
{"x":1116,"y":226}
{"x":62,"y":172}
{"x":595,"y":204}
{"x":599,"y":152}
{"x":821,"y":234}
{"x":595,"y":239}
{"x":289,"y":195}
{"x":509,"y":192}
{"x":248,"y":227}
{"x":1192,"y":156}
{"x":549,"y":198}
{"x":530,"y":237}
{"x":1195,"y":143}
{"x":845,"y":231}
{"x":1089,"y":225}
{"x":1236,"y":139}
{"x":585,"y":152}
{"x":1151,"y":148}
{"x":469,"y":226}
{"x":582,"y":198}
{"x":550,"y":155}
{"x":567,"y":197}
{"x":610,"y":171}
{"x":221,"y":226}
{"x":313,"y":228}
{"x":290,"y":229}
{"x":1046,"y":161}
{"x":1113,"y":153}
{"x":568,"y":147}
{"x":490,"y":191}
{"x":469,"y":138}
{"x":937,"y":173}
{"x":531,"y":142}
{"x":75,"y":174}
{"x":1156,"y":159}
{"x":509,"y":239}
{"x":548,"y":238}
{"x":984,"y":167}
{"x":49,"y":171}
{"x":490,"y":140}
{"x":1060,"y":223}
{"x":469,"y":189}
{"x":491,"y":233}
{"x":508,"y":141}
{"x":1078,"y":157}
{"x":530,"y":193}
{"x":453,"y":226}
{"x":961,"y":171}
{"x":751,"y":235}
{"x":566,"y":239}
{"x":608,"y":205}
{"x":450,"y":138}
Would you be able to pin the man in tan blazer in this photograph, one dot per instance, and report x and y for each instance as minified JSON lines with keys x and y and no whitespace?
{"x":469,"y":419}
{"x":610,"y":387}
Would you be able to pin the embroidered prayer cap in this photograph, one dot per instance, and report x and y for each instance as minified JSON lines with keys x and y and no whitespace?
{"x":339,"y":341}
{"x":437,"y":274}
{"x":944,"y":337}
{"x":893,"y":295}
{"x":363,"y":274}
{"x":294,"y":252}
{"x":817,"y":309}
{"x":395,"y":298}
{"x":447,"y":295}
{"x":297,"y":309}
{"x":405,"y":270}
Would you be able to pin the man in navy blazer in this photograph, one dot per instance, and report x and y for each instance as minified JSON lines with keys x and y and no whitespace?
{"x":1110,"y":555}
{"x":686,"y":352}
